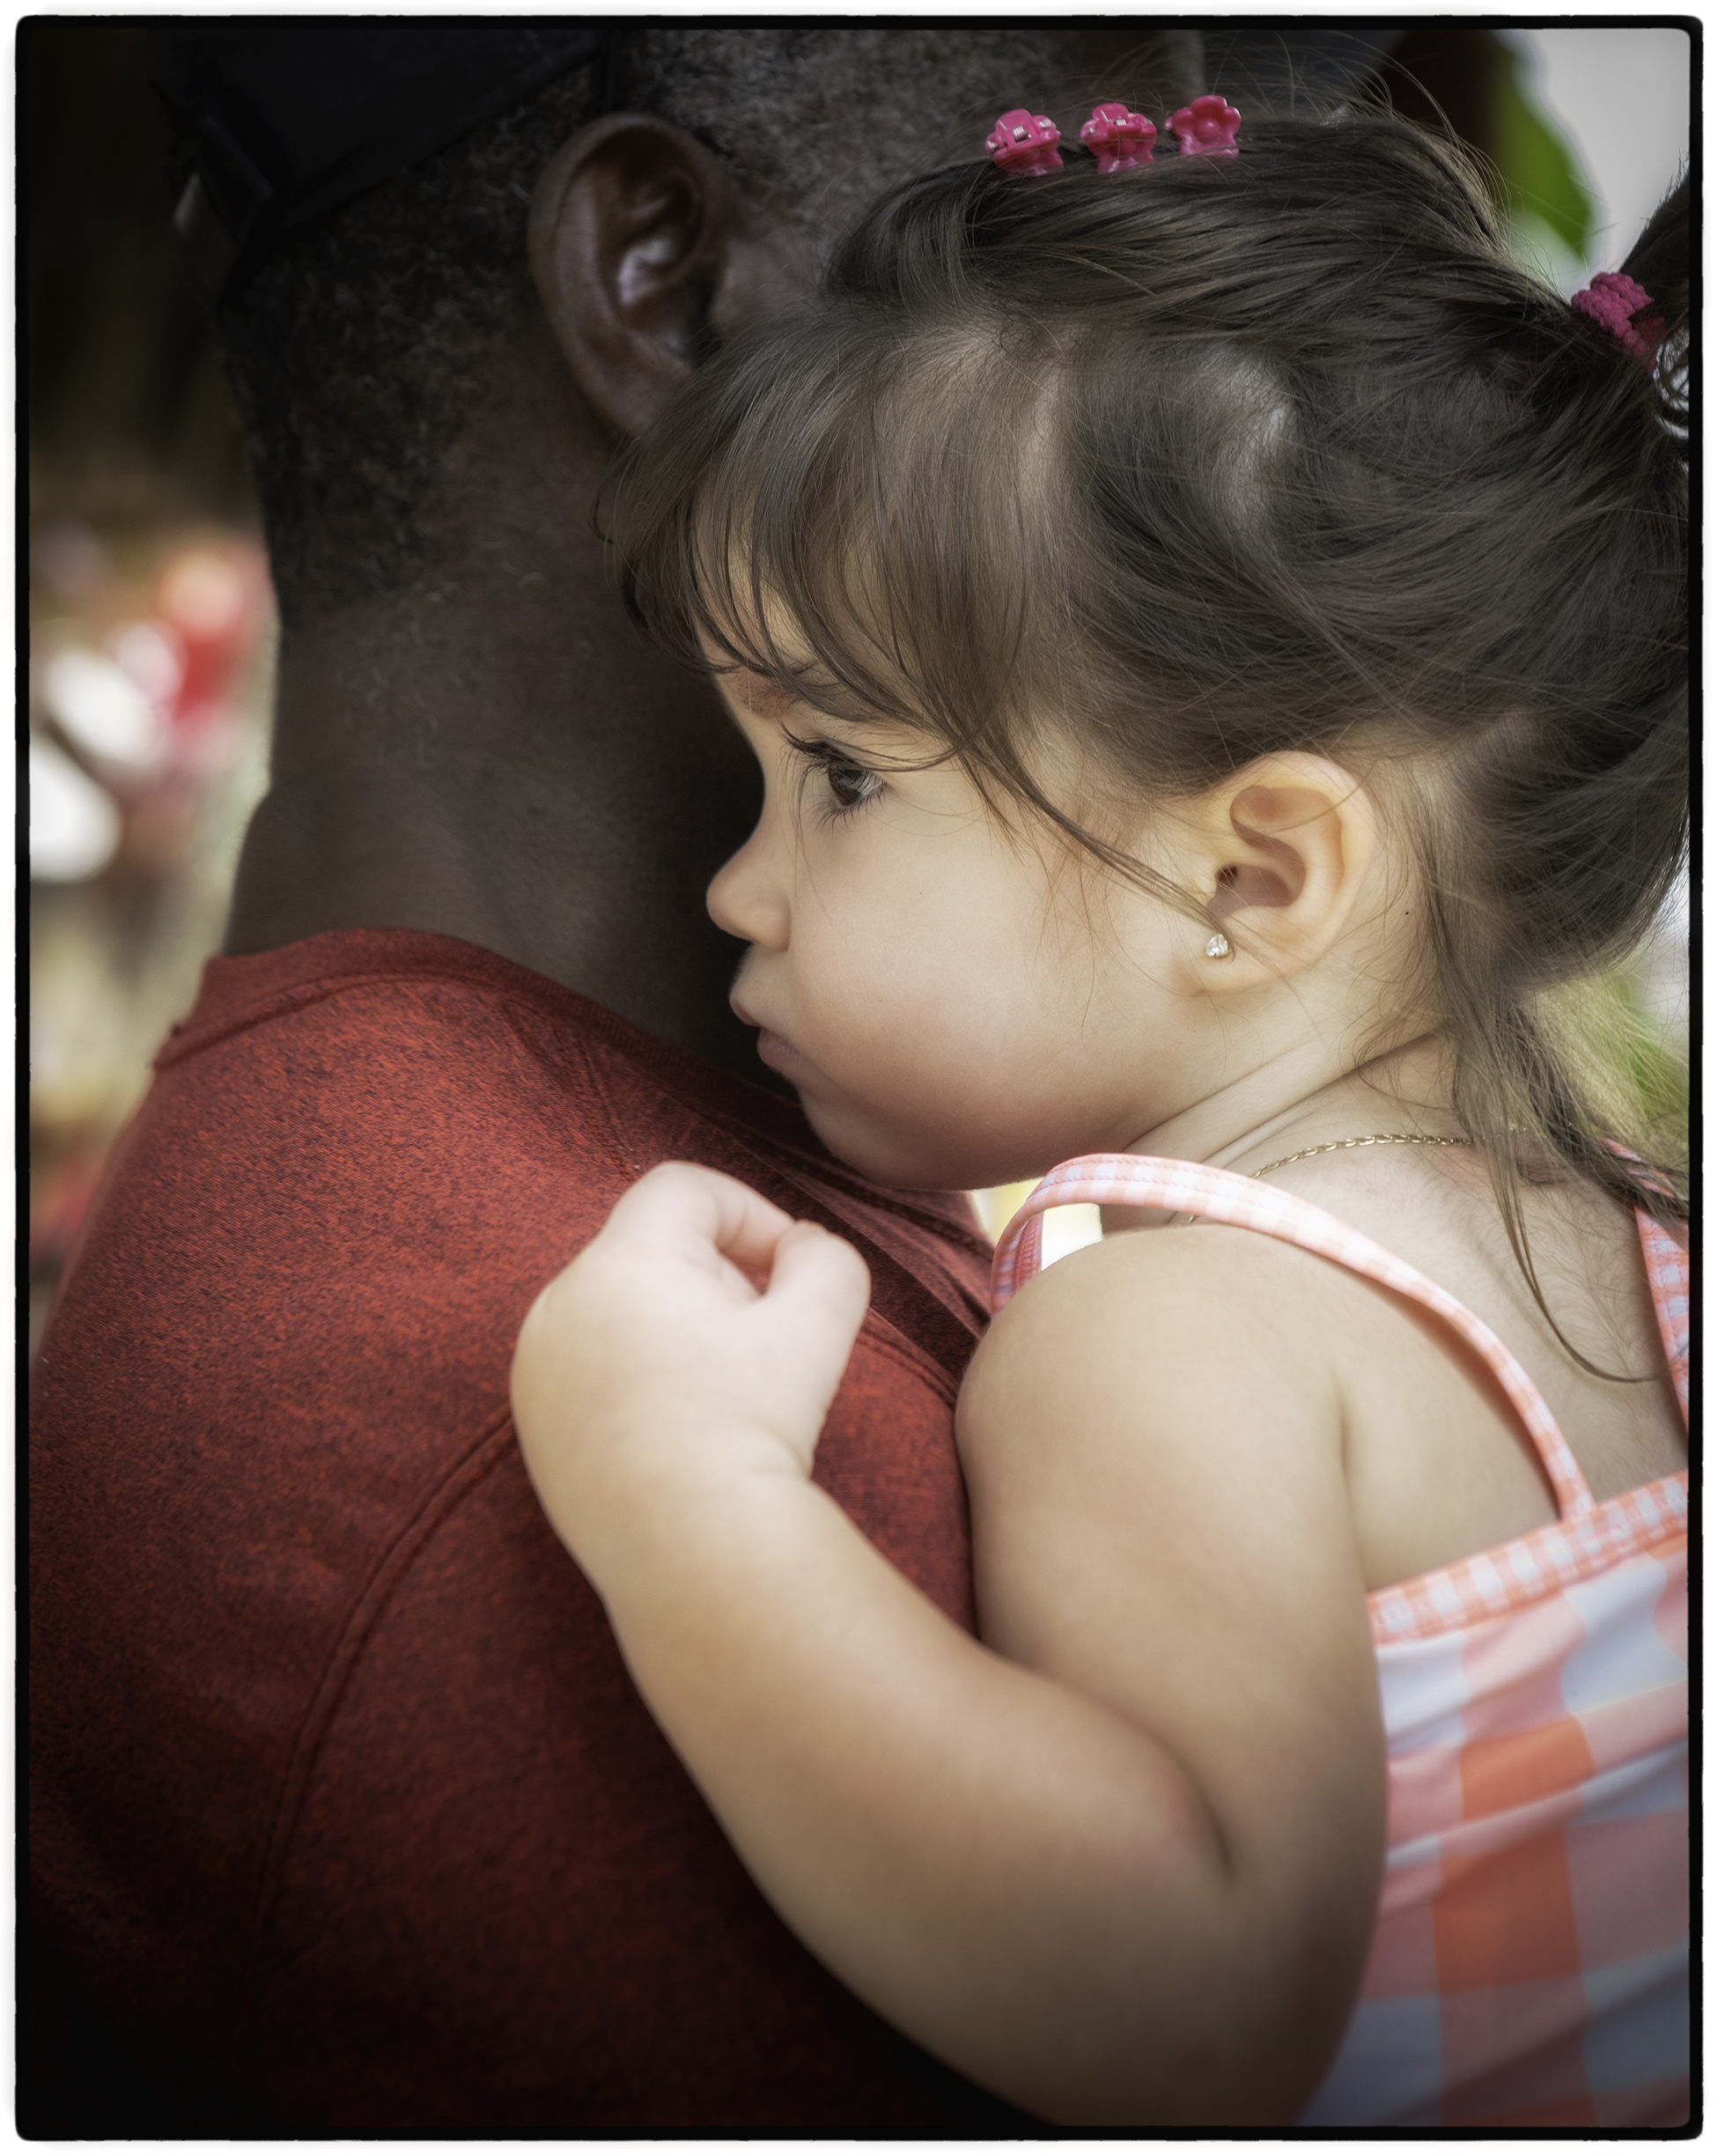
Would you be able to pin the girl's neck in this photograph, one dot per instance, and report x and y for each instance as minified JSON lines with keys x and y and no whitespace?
{"x":1293,"y":1103}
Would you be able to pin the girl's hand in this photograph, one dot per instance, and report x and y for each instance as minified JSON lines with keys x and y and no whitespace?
{"x":697,"y":1339}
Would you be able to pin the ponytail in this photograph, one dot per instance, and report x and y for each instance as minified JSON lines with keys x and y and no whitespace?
{"x":1658,"y":263}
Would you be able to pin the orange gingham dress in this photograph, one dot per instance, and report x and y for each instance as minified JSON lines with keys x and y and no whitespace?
{"x":1529,"y":1967}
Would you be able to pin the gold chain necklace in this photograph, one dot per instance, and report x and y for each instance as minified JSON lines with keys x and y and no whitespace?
{"x":1345,"y":1145}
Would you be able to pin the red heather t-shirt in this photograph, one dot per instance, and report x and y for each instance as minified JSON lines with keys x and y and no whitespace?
{"x":343,"y":1808}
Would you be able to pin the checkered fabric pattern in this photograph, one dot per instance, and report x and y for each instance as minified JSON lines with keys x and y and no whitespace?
{"x":1529,"y":1968}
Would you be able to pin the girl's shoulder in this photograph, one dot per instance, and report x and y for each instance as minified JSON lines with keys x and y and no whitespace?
{"x":1268,"y":1360}
{"x":1152,"y":1337}
{"x":1183,"y":1287}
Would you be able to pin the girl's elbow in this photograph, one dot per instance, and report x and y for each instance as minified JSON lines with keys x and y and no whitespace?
{"x":1243,"y":2042}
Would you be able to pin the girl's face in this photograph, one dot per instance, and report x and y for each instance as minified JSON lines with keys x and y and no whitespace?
{"x":957,"y":1004}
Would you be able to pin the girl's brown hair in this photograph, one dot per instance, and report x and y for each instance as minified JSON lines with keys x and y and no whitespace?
{"x":1221,"y":457}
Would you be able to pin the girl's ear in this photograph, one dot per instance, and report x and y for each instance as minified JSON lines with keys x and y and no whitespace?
{"x":1286,"y":846}
{"x":646,"y":254}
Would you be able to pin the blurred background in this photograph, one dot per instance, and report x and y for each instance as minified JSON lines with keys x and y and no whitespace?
{"x":150,"y":621}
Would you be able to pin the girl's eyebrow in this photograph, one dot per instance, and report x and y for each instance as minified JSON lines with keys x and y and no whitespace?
{"x":754,"y":694}
{"x":767,"y":695}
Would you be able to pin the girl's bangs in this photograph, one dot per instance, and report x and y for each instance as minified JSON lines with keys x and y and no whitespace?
{"x":862,"y":535}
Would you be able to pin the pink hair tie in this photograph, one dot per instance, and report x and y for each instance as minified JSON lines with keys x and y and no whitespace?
{"x":1019,"y":143}
{"x":1614,"y":301}
{"x":1206,"y":127}
{"x":1118,"y":139}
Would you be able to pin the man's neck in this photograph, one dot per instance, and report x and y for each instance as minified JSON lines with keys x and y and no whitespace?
{"x":514,"y":768}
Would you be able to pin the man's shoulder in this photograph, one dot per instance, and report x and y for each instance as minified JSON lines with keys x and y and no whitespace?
{"x":348,"y":1183}
{"x":315,"y":1675}
{"x":412,"y":1053}
{"x":393,"y":1001}
{"x":392,"y":1116}
{"x":362,"y":1020}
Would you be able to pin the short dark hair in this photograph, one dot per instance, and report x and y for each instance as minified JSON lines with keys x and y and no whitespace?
{"x":1227,"y":456}
{"x":355,"y":346}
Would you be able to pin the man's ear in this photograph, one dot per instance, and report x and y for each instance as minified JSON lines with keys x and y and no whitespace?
{"x":647,"y":252}
{"x":1287,"y":845}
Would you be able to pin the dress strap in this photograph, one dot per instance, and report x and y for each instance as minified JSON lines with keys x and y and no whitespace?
{"x":1667,"y":1273}
{"x":1214,"y":1194}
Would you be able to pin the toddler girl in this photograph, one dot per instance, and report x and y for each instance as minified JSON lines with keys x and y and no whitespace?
{"x":1213,"y":630}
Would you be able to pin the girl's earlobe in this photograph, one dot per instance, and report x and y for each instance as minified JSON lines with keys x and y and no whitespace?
{"x":1290,"y":841}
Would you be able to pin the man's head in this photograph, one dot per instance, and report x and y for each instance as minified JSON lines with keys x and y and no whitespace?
{"x":638,"y":201}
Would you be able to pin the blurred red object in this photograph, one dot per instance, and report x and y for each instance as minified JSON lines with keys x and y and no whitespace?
{"x":214,"y":600}
{"x":148,"y":695}
{"x":61,"y":1199}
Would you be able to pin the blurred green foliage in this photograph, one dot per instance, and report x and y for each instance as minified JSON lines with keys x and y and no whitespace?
{"x":1543,"y":179}
{"x":1635,"y":1059}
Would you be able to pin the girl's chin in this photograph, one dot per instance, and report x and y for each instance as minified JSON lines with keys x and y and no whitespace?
{"x":899,"y":1164}
{"x":898,"y":1156}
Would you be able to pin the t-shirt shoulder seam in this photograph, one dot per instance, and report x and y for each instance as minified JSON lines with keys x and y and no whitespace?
{"x":888,"y":1340}
{"x":467,"y":1474}
{"x":392,"y":1567}
{"x":615,"y":1128}
{"x":190,"y":1039}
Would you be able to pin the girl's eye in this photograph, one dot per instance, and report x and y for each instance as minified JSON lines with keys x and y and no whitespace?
{"x":851,"y":784}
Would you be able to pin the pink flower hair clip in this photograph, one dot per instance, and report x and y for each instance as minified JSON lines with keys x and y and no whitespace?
{"x":1022,"y":143}
{"x":1206,"y":127}
{"x":1616,"y":303}
{"x":1118,"y":139}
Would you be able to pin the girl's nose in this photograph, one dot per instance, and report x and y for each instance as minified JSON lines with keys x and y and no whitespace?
{"x":747,"y":895}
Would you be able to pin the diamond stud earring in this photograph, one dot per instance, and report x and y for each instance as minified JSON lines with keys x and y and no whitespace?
{"x":1220,"y":946}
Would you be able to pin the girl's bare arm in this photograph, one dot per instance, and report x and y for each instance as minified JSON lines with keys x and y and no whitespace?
{"x":1121,"y":1864}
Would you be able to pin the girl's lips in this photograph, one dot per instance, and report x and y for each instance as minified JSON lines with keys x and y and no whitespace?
{"x":772,"y":1048}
